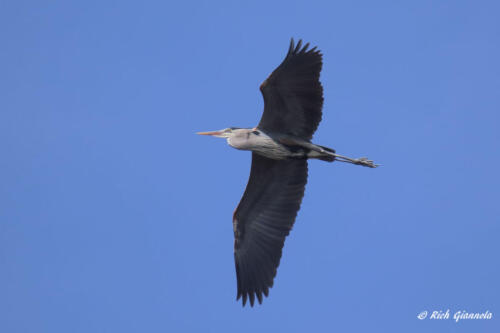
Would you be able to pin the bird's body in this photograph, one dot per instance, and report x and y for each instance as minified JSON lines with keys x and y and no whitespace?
{"x":277,"y":146}
{"x":281,"y":145}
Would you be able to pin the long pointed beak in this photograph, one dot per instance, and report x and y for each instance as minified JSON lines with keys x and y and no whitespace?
{"x":214,"y":133}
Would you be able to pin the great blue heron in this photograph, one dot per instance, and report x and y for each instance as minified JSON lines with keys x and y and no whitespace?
{"x":280,"y":145}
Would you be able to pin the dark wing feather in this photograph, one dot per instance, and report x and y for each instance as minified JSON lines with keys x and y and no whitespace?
{"x":262,"y":220}
{"x":293,"y":95}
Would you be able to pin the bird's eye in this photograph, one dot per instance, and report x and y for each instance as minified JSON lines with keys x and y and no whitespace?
{"x":256,"y":132}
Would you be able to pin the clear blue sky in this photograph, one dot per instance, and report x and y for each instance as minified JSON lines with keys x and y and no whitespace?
{"x":116,"y":217}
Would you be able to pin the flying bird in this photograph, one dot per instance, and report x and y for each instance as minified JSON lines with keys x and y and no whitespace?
{"x":281,"y":145}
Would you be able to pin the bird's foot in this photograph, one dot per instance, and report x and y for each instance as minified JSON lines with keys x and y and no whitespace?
{"x":365,"y":162}
{"x":359,"y":161}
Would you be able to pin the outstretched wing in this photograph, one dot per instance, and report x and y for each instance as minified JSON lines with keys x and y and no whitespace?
{"x":262,"y":220}
{"x":293,"y":95}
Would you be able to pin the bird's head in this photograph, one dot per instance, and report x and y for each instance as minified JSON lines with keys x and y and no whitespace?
{"x":236,"y":137}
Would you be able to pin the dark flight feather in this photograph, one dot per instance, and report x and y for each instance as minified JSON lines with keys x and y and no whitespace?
{"x":263,"y":219}
{"x":293,"y":95}
{"x":293,"y":99}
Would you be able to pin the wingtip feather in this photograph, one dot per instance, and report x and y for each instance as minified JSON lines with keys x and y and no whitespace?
{"x":252,"y":298}
{"x":304,"y":49}
{"x":259,"y":297}
{"x":297,"y":48}
{"x":290,"y":49}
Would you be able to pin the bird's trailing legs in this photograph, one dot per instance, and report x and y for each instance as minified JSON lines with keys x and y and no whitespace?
{"x":359,"y":161}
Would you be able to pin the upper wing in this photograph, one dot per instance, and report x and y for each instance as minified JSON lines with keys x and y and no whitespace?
{"x":293,"y":95}
{"x":262,"y":220}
